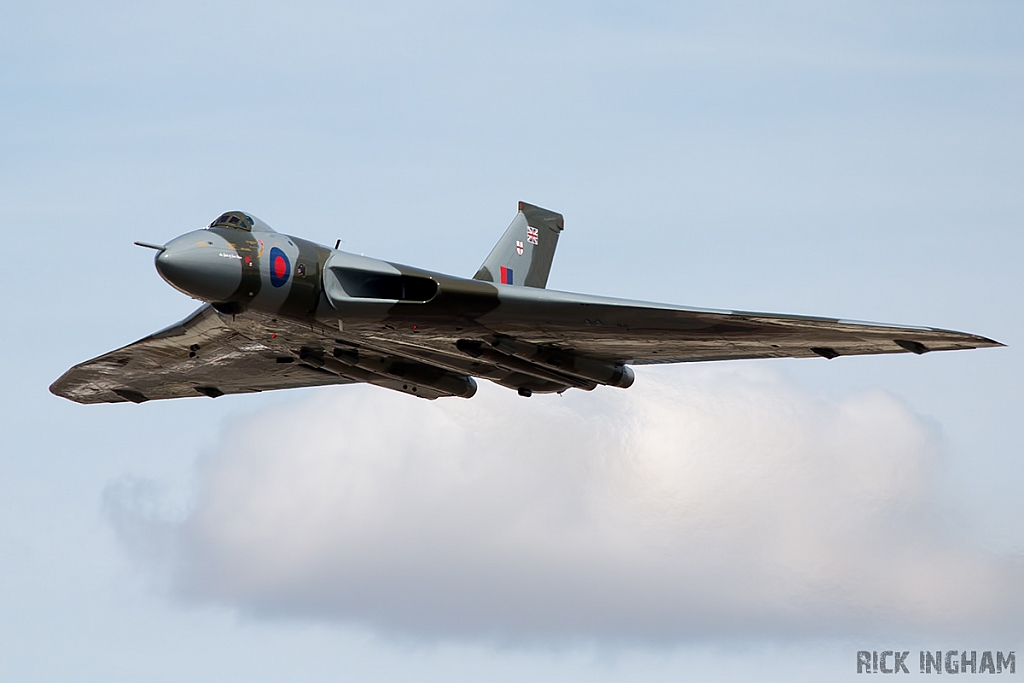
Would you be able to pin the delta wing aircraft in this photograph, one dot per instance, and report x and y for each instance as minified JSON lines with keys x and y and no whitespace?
{"x":283,"y":312}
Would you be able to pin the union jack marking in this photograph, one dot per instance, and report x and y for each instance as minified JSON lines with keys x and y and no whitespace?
{"x":519,"y":247}
{"x":532,"y":236}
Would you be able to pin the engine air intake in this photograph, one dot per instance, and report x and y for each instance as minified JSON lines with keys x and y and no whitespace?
{"x":362,"y":284}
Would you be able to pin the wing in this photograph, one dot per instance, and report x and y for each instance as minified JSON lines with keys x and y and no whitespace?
{"x":525,"y":338}
{"x":643,"y":333}
{"x":206,"y":354}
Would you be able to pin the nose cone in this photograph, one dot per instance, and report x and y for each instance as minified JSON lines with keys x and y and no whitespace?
{"x":201,"y":264}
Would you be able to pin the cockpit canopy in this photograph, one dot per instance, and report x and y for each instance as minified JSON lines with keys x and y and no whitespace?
{"x":237,"y":220}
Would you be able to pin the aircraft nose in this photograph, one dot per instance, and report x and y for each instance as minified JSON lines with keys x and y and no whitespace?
{"x":202,"y":265}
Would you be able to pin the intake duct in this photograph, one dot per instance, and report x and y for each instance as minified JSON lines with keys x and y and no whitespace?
{"x":362,"y":284}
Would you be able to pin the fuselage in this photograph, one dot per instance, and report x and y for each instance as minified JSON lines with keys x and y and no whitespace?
{"x":241,"y":269}
{"x":245,"y":266}
{"x":264,"y":271}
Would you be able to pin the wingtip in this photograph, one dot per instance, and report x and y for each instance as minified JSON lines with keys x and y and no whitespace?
{"x":60,"y":391}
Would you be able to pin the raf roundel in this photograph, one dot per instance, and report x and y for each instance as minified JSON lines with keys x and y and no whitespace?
{"x":280,"y":268}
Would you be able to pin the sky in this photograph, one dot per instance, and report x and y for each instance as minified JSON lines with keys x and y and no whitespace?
{"x":718,"y":521}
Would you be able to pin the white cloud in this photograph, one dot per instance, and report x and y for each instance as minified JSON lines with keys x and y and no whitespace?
{"x":703,"y":501}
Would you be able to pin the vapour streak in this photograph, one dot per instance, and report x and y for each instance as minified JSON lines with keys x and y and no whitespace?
{"x":703,"y":501}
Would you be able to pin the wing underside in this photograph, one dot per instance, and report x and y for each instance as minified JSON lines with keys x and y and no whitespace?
{"x":203,"y":355}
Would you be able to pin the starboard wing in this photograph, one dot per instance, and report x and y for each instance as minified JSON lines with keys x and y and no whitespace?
{"x":642,"y":333}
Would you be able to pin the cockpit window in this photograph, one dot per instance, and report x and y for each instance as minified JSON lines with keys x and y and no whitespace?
{"x":234,"y":219}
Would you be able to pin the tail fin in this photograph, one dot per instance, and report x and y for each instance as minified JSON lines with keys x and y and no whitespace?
{"x":524,"y":253}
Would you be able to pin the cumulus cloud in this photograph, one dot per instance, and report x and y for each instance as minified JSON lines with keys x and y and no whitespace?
{"x":704,"y":501}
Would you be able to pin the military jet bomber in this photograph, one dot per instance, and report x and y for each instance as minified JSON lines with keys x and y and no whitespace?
{"x":283,"y":312}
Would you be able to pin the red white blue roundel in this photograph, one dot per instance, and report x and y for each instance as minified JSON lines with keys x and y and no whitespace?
{"x":280,"y":268}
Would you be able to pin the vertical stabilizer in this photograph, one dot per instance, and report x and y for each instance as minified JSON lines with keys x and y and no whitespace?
{"x":524,"y":253}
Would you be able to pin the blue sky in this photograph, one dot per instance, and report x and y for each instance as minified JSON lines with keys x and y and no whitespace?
{"x":861,"y":160}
